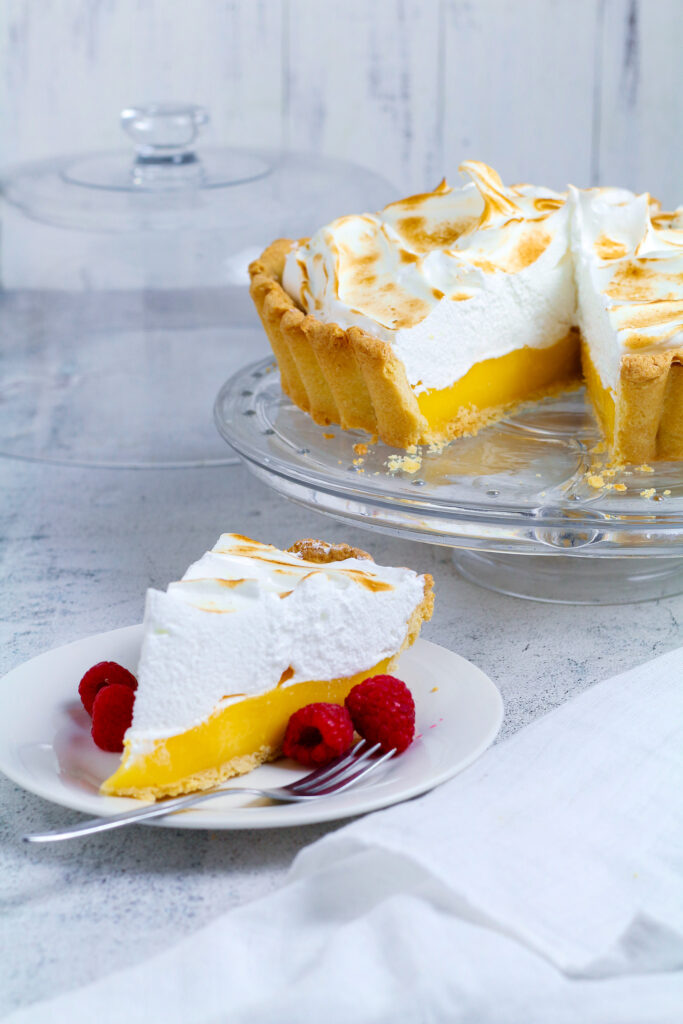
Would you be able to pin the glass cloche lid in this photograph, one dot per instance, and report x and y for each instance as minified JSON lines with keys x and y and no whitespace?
{"x":125,"y":287}
{"x":167,"y":181}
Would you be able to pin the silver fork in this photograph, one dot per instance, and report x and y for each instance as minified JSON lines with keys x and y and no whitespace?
{"x":335,"y":777}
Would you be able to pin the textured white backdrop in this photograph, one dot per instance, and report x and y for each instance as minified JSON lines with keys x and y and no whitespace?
{"x":545,"y":90}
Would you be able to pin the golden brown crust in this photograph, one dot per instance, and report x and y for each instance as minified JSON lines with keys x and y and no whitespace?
{"x":647,"y":366}
{"x":200,"y":780}
{"x":321,"y":551}
{"x":649,"y":407}
{"x":422,"y":613}
{"x":337,"y":376}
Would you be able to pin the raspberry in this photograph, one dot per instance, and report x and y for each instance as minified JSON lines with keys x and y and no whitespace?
{"x":112,"y":713}
{"x":382,"y":710}
{"x":103,"y":674}
{"x":317,"y":734}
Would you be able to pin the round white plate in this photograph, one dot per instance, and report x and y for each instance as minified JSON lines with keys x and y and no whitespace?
{"x":46,"y":747}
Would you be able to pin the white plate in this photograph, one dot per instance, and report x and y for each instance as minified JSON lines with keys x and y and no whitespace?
{"x":46,"y":747}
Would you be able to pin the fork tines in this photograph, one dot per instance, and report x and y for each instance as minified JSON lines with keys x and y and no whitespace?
{"x":340,"y":772}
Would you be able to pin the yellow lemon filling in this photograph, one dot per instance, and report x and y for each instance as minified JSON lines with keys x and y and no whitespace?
{"x":495,"y":384}
{"x":234,"y":740}
{"x":602,"y":398}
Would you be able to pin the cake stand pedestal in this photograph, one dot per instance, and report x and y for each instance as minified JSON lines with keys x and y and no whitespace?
{"x":568,"y":579}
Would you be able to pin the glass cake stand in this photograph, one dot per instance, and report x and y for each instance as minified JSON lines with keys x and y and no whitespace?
{"x":530,"y":505}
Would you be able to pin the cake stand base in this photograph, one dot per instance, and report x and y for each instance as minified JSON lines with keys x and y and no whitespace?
{"x":565,"y":579}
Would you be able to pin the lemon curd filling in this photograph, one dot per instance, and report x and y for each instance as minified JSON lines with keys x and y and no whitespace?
{"x":601,"y":397}
{"x":232,"y":741}
{"x":493,"y":384}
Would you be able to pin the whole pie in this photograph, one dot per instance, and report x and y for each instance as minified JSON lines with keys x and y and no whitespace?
{"x":430,"y":319}
{"x":248,"y":636}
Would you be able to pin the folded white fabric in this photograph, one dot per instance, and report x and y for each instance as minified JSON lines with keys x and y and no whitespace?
{"x":543,"y":885}
{"x":568,"y":837}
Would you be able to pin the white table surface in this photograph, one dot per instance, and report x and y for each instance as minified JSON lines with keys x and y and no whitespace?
{"x":78,"y":549}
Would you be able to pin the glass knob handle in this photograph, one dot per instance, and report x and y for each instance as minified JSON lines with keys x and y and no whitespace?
{"x":164,"y":136}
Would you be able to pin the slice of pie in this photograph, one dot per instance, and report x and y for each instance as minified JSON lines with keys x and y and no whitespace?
{"x":430,"y":319}
{"x":249,"y":635}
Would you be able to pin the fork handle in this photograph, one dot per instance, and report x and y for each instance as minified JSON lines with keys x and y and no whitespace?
{"x":156,"y":810}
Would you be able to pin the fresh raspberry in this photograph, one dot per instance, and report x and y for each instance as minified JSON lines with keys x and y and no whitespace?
{"x":103,"y":674}
{"x":112,"y":713}
{"x":382,"y":710}
{"x":317,"y":734}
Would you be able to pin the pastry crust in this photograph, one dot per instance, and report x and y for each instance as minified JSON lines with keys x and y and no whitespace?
{"x":649,"y":411}
{"x":337,"y":376}
{"x":322,"y":551}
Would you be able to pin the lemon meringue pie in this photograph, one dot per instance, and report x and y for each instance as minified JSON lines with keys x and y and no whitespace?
{"x":248,"y":636}
{"x":429,"y":319}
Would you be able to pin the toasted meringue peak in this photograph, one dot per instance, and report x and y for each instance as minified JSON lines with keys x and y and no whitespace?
{"x":498,"y":201}
{"x":449,"y":277}
{"x":460,"y":275}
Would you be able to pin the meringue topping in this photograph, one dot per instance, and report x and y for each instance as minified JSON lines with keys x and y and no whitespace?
{"x":450,"y":277}
{"x":457,"y":276}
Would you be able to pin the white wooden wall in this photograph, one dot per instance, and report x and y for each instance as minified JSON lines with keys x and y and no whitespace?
{"x":545,"y":90}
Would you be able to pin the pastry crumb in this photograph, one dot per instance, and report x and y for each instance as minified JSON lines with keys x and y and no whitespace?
{"x":358,"y":462}
{"x":666,"y":493}
{"x":406,"y":463}
{"x":649,"y":492}
{"x":360,"y":448}
{"x":596,"y":481}
{"x":434,"y":689}
{"x":645,"y":468}
{"x":620,"y":487}
{"x":328,"y":437}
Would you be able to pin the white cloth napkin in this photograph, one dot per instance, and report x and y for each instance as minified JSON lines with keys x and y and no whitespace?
{"x":543,"y":885}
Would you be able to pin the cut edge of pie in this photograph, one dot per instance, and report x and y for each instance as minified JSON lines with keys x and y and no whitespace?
{"x":351,"y":378}
{"x":643,"y":422}
{"x":254,"y":727}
